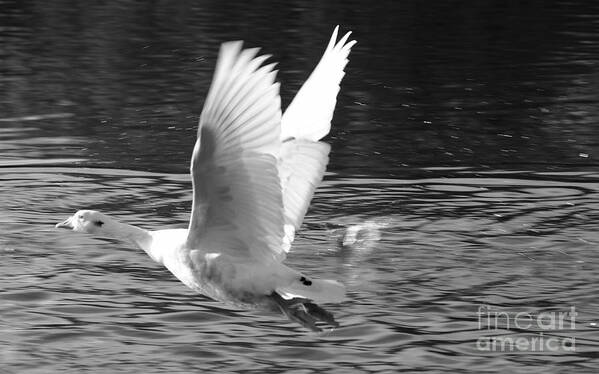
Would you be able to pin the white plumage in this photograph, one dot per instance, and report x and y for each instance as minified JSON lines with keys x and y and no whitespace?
{"x":309,"y":114}
{"x":254,"y":173}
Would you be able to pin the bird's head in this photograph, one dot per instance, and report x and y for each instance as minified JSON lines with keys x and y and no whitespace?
{"x":88,"y":221}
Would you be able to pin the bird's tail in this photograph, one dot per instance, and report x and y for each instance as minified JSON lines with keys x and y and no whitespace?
{"x":317,"y":290}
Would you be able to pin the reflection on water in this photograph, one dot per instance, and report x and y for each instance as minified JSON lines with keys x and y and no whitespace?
{"x":463,"y":179}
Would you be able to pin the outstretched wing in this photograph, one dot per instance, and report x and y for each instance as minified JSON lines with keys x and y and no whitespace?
{"x":303,"y":158}
{"x":301,"y":166}
{"x":237,"y":200}
{"x":309,"y":114}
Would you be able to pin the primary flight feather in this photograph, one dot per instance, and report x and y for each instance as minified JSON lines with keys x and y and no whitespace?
{"x":254,"y":172}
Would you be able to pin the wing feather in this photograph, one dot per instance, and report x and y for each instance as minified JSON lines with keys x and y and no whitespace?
{"x":253,"y":172}
{"x":310,"y":112}
{"x":237,"y":201}
{"x":303,"y":159}
{"x":301,"y":167}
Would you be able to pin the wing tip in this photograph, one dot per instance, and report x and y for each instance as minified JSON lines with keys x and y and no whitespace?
{"x":344,"y":39}
{"x":333,"y":39}
{"x":233,"y":45}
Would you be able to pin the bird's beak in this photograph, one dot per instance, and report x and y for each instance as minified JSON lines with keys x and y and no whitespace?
{"x":66,"y":224}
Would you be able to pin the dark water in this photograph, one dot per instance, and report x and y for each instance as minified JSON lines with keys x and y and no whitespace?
{"x":464,"y":164}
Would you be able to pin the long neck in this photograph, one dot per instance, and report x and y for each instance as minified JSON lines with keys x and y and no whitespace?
{"x":137,"y":235}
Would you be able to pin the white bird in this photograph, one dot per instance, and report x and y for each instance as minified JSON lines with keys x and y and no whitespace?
{"x":254,"y":172}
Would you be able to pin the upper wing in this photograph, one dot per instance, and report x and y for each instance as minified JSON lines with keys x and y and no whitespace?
{"x":237,"y":201}
{"x":309,"y":114}
{"x":303,"y":159}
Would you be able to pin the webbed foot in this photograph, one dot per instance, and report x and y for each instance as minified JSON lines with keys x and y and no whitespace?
{"x":304,"y":312}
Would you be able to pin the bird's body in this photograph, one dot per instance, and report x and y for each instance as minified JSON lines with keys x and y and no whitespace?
{"x":254,"y":172}
{"x":233,"y":279}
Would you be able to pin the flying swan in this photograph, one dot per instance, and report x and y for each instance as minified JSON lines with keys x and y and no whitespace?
{"x":254,"y":171}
